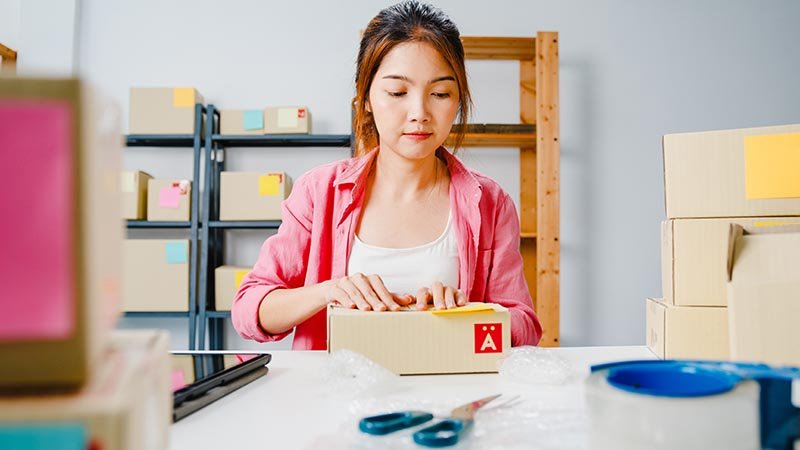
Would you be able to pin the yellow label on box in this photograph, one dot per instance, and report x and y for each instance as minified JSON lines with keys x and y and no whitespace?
{"x":269,"y":184}
{"x":287,"y":118}
{"x":240,"y":274}
{"x":772,"y":166}
{"x":183,"y":97}
{"x":127,"y":181}
{"x":475,"y":307}
{"x":775,"y":224}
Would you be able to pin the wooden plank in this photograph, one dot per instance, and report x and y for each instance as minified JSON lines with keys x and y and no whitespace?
{"x":496,"y":140}
{"x":527,"y":153}
{"x":498,"y":48}
{"x":8,"y":59}
{"x":524,"y":235}
{"x":527,"y":248}
{"x":548,"y":193}
{"x":499,"y":128}
{"x":7,"y":53}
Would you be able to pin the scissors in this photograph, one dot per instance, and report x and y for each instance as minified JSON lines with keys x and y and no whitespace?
{"x":441,"y":434}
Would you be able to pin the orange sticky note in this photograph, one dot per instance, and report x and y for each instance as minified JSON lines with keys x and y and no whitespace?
{"x":183,"y":97}
{"x":772,"y":166}
{"x":240,"y":274}
{"x":269,"y":184}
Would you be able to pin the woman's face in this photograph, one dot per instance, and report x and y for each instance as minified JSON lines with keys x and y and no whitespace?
{"x":414,"y":100}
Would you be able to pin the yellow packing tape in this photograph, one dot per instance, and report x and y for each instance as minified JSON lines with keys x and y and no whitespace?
{"x":240,"y":274}
{"x":471,"y":308}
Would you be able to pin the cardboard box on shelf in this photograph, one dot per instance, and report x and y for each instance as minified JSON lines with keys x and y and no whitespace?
{"x":155,"y":275}
{"x":226,"y":283}
{"x":252,"y":195}
{"x":468,"y":340}
{"x":237,"y":121}
{"x":162,"y":110}
{"x":183,"y":370}
{"x":61,"y":231}
{"x":750,"y":172}
{"x":133,"y":185}
{"x":691,"y":332}
{"x":694,"y":257}
{"x":764,"y":294}
{"x":169,"y":200}
{"x":287,"y":120}
{"x":126,"y":405}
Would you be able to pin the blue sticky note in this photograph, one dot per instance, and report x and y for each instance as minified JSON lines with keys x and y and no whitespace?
{"x":253,"y":120}
{"x":43,"y":436}
{"x":176,"y":252}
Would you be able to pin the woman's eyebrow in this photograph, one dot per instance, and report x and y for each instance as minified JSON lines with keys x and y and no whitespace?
{"x":406,"y":79}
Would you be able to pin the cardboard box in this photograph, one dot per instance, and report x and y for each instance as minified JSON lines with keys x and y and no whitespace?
{"x":155,"y":275}
{"x":226,"y":284}
{"x":694,"y":257}
{"x":252,"y":195}
{"x":183,"y":371}
{"x":127,"y":405}
{"x":239,"y":121}
{"x":287,"y":120}
{"x":162,"y":110}
{"x":169,"y":200}
{"x":764,"y":294}
{"x":749,"y":172}
{"x":690,"y":332}
{"x":61,"y":231}
{"x":133,"y":185}
{"x":411,"y":342}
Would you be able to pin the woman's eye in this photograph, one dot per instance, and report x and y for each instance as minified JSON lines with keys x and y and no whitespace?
{"x":396,"y":93}
{"x":441,"y":94}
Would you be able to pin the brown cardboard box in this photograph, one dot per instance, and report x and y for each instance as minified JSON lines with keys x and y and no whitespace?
{"x":252,"y":195}
{"x":162,"y":110}
{"x":127,"y":404}
{"x":287,"y":120}
{"x":694,"y":257}
{"x":183,"y":372}
{"x":764,"y":294}
{"x":61,"y":297}
{"x":226,"y":283}
{"x":155,"y":275}
{"x":133,"y":185}
{"x":749,"y":172}
{"x":237,"y":121}
{"x":692,"y":332}
{"x":169,"y":200}
{"x":403,"y":341}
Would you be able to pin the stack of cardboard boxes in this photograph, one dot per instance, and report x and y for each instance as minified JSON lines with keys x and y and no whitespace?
{"x":67,"y":380}
{"x":716,"y":181}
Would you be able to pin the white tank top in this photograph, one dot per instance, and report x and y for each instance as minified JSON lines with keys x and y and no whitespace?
{"x":405,"y":270}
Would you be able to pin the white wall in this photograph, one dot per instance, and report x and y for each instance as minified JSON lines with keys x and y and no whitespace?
{"x":630,"y":72}
{"x":9,"y":23}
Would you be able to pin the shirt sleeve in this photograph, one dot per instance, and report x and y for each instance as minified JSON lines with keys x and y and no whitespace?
{"x":281,"y":264}
{"x":506,"y":284}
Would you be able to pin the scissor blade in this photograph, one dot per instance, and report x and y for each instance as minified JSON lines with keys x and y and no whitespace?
{"x":467,"y":412}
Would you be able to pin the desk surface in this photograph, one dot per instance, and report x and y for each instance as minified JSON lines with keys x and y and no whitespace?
{"x":300,"y":404}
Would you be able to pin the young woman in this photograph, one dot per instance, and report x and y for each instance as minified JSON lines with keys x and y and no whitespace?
{"x":404,"y":222}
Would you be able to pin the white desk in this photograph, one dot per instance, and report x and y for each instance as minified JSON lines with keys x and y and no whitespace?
{"x":291,"y":407}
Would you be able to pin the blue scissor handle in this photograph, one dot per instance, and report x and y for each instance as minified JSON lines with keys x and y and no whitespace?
{"x":442,"y":434}
{"x":387,"y":423}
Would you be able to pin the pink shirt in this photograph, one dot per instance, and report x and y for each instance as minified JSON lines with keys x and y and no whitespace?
{"x":318,"y":224}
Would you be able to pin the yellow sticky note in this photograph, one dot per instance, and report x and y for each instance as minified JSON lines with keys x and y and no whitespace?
{"x":775,"y":224}
{"x":471,"y":308}
{"x":240,"y":274}
{"x":183,"y":97}
{"x":772,"y":166}
{"x":269,"y":184}
{"x":287,"y":118}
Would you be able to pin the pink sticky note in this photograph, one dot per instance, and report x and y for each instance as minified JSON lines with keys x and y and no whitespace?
{"x":178,"y":380}
{"x":37,"y":267}
{"x":169,"y":197}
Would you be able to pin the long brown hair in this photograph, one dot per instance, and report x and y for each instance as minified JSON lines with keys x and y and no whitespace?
{"x":409,"y":21}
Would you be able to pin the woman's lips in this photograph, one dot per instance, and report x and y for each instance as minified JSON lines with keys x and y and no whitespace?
{"x":417,"y":136}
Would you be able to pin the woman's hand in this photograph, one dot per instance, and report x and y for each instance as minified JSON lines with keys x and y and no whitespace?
{"x":444,"y":297}
{"x":365,"y":292}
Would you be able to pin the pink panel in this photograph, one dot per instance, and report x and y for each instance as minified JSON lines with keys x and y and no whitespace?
{"x":37,"y":290}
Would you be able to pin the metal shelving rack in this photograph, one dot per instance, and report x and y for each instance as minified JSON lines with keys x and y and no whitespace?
{"x":212,"y":229}
{"x":196,"y":142}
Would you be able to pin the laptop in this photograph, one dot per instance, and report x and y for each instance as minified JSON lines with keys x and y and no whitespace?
{"x":201,"y":377}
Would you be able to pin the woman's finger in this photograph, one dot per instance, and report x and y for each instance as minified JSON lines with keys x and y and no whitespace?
{"x":338,"y":295}
{"x":423,"y":294}
{"x":404,"y":300}
{"x":437,"y":291}
{"x":354,"y":294}
{"x":449,"y":297}
{"x":461,"y":299}
{"x":383,"y":294}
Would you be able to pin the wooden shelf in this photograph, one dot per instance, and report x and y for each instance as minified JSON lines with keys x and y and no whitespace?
{"x":499,"y":48}
{"x":528,"y":235}
{"x":498,"y":135}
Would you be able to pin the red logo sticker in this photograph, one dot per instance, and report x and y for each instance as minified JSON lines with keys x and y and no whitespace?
{"x":301,"y":113}
{"x":488,"y":338}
